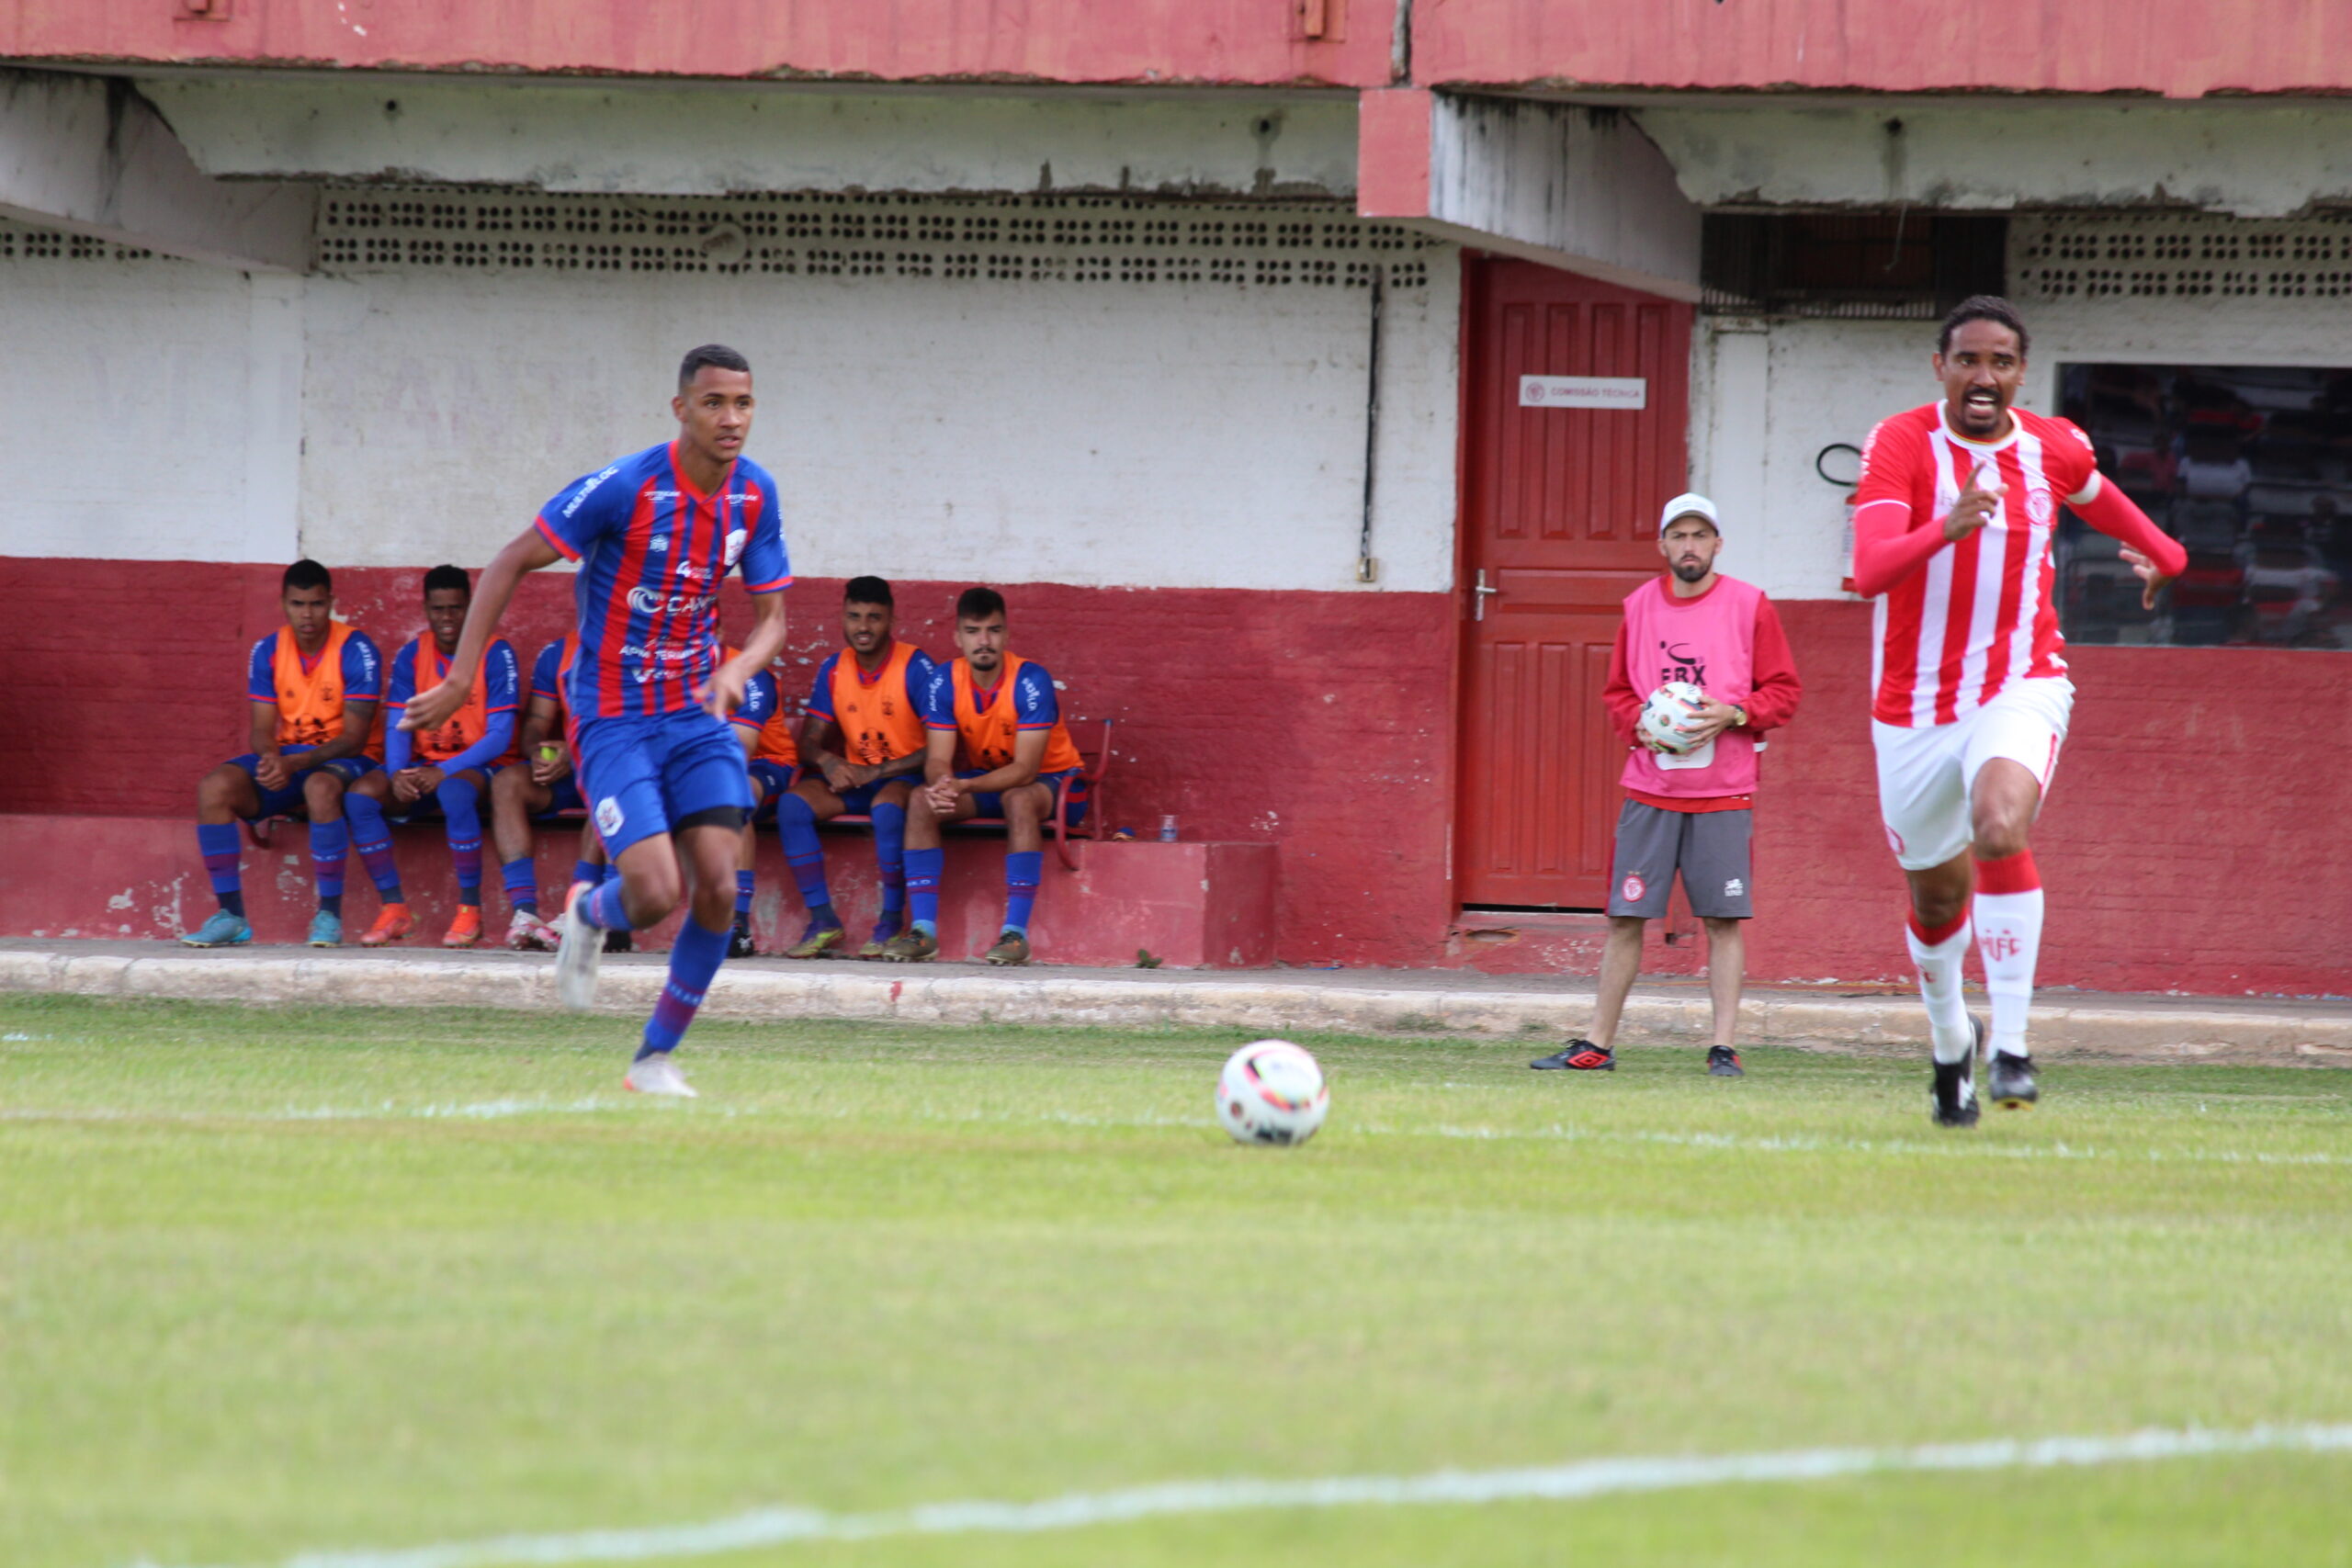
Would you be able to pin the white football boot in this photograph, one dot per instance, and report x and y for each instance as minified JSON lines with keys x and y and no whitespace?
{"x":578,"y":947}
{"x":657,"y":1075}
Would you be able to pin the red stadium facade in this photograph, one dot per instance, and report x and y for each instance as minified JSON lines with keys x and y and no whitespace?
{"x":1259,"y":352}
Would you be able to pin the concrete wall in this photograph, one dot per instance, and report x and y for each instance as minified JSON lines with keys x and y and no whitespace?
{"x":1085,"y":428}
{"x":1767,"y":397}
{"x":600,"y":135}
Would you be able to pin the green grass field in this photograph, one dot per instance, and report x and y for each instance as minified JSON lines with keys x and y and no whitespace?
{"x":278,"y":1282}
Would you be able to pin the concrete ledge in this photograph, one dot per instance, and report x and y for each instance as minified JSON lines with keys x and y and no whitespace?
{"x":1271,"y":1002}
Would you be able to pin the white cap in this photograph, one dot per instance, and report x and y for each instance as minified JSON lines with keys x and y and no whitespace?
{"x":1691,"y":503}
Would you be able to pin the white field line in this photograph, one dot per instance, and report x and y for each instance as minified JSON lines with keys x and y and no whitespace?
{"x":1959,"y":1146}
{"x":1587,"y":1478}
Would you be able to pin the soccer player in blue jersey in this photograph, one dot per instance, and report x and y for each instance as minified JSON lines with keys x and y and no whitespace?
{"x":543,"y":782}
{"x":447,"y":768}
{"x":655,"y":533}
{"x":863,"y":740}
{"x":997,"y":747}
{"x":314,"y":687}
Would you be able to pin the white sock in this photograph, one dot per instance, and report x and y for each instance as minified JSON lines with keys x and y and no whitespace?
{"x":1940,"y":973}
{"x":2009,"y":939}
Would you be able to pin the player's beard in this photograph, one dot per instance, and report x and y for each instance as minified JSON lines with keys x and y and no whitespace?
{"x":1692,"y":570}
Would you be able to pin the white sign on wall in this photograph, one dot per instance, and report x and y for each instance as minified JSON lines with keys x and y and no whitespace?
{"x":1584,"y":392}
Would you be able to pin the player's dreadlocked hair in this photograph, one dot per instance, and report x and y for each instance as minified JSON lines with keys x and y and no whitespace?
{"x":718,"y":355}
{"x":445,"y":576}
{"x":1982,"y":307}
{"x":305,"y":573}
{"x":978,"y":604}
{"x":869,"y":590}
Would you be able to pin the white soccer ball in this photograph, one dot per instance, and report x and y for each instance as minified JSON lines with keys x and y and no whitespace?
{"x":1271,"y":1093}
{"x":1668,"y":714}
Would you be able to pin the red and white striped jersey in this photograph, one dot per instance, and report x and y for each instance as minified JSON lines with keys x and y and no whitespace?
{"x":1978,"y":614}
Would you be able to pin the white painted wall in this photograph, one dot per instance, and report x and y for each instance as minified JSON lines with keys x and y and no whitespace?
{"x":149,"y":410}
{"x":1821,"y":381}
{"x":1145,"y":435}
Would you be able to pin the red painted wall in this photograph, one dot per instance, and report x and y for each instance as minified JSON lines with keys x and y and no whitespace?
{"x":1152,"y":42}
{"x":1322,"y":722}
{"x":2177,"y":48}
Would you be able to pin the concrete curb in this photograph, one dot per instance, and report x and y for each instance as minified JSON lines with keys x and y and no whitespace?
{"x":2143,"y":1029}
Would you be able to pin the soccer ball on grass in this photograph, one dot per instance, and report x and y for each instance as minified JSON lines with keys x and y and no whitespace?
{"x":1271,"y":1093}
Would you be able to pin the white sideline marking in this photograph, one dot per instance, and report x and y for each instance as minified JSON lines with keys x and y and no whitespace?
{"x":1587,"y":1478}
{"x":479,"y":1111}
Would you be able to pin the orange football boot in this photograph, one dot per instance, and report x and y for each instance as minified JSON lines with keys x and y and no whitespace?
{"x":466,"y":930}
{"x":392,"y":922}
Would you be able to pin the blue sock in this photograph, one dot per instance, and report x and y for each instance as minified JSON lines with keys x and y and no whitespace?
{"x":218,"y":844}
{"x":522,"y":879}
{"x":460,"y":802}
{"x":923,"y":867}
{"x":329,"y":843}
{"x":587,"y":871}
{"x":742,"y":892}
{"x":694,"y":957}
{"x":890,"y":853}
{"x":372,"y":837}
{"x":1022,"y":870}
{"x":796,"y":825}
{"x":603,"y":909}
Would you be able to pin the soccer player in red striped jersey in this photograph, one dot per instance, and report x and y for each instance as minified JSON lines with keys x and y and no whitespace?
{"x":1952,"y":527}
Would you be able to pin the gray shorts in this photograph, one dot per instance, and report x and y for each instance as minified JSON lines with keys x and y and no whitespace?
{"x":1710,"y":848}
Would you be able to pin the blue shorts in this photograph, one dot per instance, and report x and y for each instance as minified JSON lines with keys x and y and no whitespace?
{"x":860,"y":801}
{"x":642,"y":772}
{"x":1071,"y":782}
{"x":288,"y":801}
{"x":564,"y":796}
{"x":770,"y":782}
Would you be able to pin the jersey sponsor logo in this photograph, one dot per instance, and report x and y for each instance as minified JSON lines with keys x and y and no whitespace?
{"x":588,"y":489}
{"x":652,"y":602}
{"x":1735,"y":888}
{"x":1634,"y":888}
{"x":1679,"y":661}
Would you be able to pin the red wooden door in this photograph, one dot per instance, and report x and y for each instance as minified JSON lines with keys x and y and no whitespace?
{"x":1560,"y":519}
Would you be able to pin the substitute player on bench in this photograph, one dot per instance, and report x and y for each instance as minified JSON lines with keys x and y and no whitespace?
{"x":866,"y":743}
{"x":1952,"y":526}
{"x":1690,"y":813}
{"x":449,"y":766}
{"x":655,"y":534}
{"x":771,"y":759}
{"x":996,"y":714}
{"x":314,"y":687}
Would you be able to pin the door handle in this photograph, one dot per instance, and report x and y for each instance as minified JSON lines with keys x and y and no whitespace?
{"x":1478,"y":596}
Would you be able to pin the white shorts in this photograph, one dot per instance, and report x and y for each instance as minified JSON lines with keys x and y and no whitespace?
{"x":1925,"y":773}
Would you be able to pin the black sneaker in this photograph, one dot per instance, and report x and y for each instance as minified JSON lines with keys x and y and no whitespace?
{"x":1723,"y":1062}
{"x":1954,"y":1104}
{"x":2011,"y":1081}
{"x":1579,"y":1056}
{"x":618,"y":941}
{"x":739,"y":942}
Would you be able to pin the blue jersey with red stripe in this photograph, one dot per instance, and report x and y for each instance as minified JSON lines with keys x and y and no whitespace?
{"x":652,"y":551}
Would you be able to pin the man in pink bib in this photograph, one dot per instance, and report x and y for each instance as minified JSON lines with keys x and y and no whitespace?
{"x":1688,"y":811}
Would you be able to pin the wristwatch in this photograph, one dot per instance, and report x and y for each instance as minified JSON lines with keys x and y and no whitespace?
{"x":1738,"y":716}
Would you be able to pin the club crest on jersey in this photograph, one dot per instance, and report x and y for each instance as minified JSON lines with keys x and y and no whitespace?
{"x":736,"y":540}
{"x":609,"y":816}
{"x":1633,"y":888}
{"x":2038,"y":507}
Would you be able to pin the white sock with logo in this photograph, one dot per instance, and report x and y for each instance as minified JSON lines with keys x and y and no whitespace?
{"x":2009,"y":939}
{"x":1939,"y":964}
